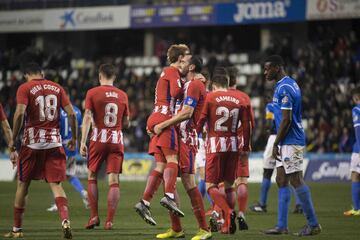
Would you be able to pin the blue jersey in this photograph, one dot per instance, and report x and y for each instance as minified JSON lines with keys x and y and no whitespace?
{"x":287,"y":96}
{"x":356,"y":121}
{"x":270,"y":115}
{"x":65,"y":130}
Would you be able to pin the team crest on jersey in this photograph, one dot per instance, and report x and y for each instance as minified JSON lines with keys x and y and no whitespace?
{"x":189,"y":101}
{"x":285,"y":99}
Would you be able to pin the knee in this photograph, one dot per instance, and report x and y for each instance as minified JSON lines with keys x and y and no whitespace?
{"x":92,"y":175}
{"x":113,"y":178}
{"x":172,"y":158}
{"x":268,"y":173}
{"x":228,"y":184}
{"x":160,"y":167}
{"x":209,"y":185}
{"x":281,"y":181}
{"x":296,"y":179}
{"x":188,"y":181}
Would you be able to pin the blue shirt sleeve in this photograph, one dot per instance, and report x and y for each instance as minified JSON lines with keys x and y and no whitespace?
{"x":78,"y":117}
{"x":286,"y":100}
{"x":190,"y":102}
{"x":356,"y":117}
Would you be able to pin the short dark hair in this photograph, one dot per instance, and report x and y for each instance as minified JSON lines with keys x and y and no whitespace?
{"x":355,"y":91}
{"x":31,"y":68}
{"x":220,"y":71}
{"x":177,"y":50}
{"x":197,"y":62}
{"x":220,"y":80}
{"x":275,"y":60}
{"x":108,"y":70}
{"x":232,"y":72}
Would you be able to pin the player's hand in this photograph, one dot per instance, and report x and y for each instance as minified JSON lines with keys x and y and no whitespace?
{"x":83,"y":149}
{"x":72,"y":144}
{"x":157,"y":129}
{"x":276,"y":152}
{"x":13,"y":158}
{"x":149,"y":133}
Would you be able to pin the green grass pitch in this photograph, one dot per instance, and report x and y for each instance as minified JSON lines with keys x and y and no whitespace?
{"x":330,"y":202}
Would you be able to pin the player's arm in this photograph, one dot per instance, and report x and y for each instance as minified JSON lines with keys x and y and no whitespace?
{"x":286,"y":118}
{"x":356,"y":122}
{"x":73,"y":125}
{"x":246,"y":124}
{"x":203,"y":117}
{"x":269,"y":119}
{"x":357,"y":135}
{"x":126,"y":115}
{"x":186,"y":113}
{"x":18,"y":121}
{"x":86,"y":124}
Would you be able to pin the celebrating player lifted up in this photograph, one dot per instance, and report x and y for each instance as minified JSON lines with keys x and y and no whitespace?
{"x":165,"y":146}
{"x":41,"y":155}
{"x":106,"y":109}
{"x":187,"y":115}
{"x":223,"y":109}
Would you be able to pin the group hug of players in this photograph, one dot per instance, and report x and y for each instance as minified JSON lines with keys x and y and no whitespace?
{"x":184,"y":110}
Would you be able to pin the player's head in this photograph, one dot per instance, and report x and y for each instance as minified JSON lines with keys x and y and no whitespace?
{"x":220,"y":81}
{"x":355,"y":93}
{"x":179,"y":55}
{"x":107,"y":72}
{"x":232,"y":72}
{"x":273,"y":67}
{"x":220,"y":71}
{"x":32,"y":70}
{"x":194,"y":65}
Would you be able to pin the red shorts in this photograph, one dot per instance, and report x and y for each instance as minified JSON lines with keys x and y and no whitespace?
{"x":243,"y":166}
{"x":167,"y":139}
{"x":42,"y":164}
{"x":110,"y":153}
{"x":221,"y":167}
{"x":186,"y":158}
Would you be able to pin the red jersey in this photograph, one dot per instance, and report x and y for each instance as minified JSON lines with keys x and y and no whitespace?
{"x":109,"y":105}
{"x":168,"y":89}
{"x":2,"y":113}
{"x":194,"y":96}
{"x":222,"y":111}
{"x":43,"y":99}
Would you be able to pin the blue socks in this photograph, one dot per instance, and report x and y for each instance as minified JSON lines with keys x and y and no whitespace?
{"x":304,"y":195}
{"x":76,"y":184}
{"x":265,"y":186}
{"x":202,"y":190}
{"x":284,"y":195}
{"x":355,"y":193}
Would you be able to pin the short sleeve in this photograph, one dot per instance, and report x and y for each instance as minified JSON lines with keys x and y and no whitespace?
{"x":22,"y":95}
{"x":356,"y":116}
{"x":286,"y":101}
{"x":88,"y":101}
{"x":64,"y":98}
{"x":192,"y":95}
{"x":2,"y":113}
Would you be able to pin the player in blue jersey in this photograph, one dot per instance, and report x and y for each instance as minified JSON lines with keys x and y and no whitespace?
{"x":269,"y":162}
{"x":288,"y":148}
{"x":355,"y":157}
{"x":65,"y":132}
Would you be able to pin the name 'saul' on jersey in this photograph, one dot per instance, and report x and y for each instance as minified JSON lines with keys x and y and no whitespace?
{"x":260,"y":10}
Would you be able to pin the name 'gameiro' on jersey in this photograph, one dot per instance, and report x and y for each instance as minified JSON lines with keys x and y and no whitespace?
{"x":287,"y":96}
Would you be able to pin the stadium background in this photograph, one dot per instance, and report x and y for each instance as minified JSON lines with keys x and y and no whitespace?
{"x":319,"y":40}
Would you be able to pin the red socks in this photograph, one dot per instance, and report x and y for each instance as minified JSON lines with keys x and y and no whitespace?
{"x":175,"y":220}
{"x":219,"y":199}
{"x":230,"y":197}
{"x":242,"y":197}
{"x":170,"y":175}
{"x":93,"y":198}
{"x":198,"y":207}
{"x":112,"y":201}
{"x":18,"y":216}
{"x":62,"y":205}
{"x":153,"y":182}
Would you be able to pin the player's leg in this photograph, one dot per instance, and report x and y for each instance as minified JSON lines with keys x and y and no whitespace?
{"x":242,"y":194}
{"x":93,"y":194}
{"x":19,"y":209}
{"x":284,"y":195}
{"x":298,"y":208}
{"x":294,"y":156}
{"x":153,"y":182}
{"x":55,"y":173}
{"x":355,"y":185}
{"x":113,"y":198}
{"x":264,"y":190}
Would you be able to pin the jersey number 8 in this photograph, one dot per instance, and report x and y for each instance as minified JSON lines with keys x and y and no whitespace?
{"x":111,"y":111}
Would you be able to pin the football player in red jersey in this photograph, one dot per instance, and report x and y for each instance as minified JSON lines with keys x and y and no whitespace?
{"x":164,"y":147}
{"x":223,"y":109}
{"x":41,"y":155}
{"x":187,"y":116}
{"x":106,"y":109}
{"x":242,"y":173}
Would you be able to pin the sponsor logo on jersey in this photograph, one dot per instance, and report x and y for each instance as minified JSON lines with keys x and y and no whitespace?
{"x":285,"y":99}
